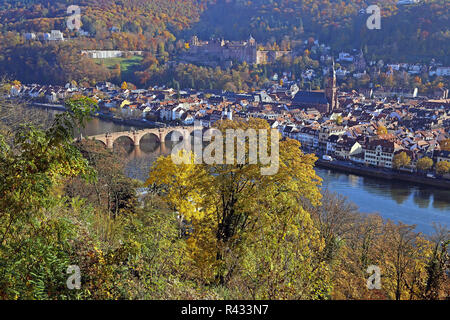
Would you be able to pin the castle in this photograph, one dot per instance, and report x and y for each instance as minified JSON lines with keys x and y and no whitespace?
{"x":242,"y":51}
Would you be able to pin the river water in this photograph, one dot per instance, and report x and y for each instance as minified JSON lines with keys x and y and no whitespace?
{"x":398,"y":201}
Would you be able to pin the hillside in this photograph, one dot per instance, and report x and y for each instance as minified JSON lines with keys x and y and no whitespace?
{"x":152,"y":17}
{"x":142,"y":24}
{"x":412,"y":33}
{"x":407,"y":32}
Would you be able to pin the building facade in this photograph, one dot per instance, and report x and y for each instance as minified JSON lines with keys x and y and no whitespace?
{"x":242,"y":51}
{"x":380,"y":153}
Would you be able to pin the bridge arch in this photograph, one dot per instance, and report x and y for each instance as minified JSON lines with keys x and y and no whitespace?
{"x":99,"y":141}
{"x":151,"y":145}
{"x":150,"y":134}
{"x":177,"y":131}
{"x":123,"y":137}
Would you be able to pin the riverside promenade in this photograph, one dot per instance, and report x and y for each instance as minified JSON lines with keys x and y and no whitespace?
{"x":384,"y":174}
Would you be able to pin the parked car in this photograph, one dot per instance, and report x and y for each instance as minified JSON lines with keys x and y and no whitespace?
{"x":327,"y":158}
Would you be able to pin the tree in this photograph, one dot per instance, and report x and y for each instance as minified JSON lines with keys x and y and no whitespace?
{"x":112,"y":190}
{"x":404,"y":256}
{"x":244,"y":225}
{"x":31,"y":167}
{"x":443,"y":167}
{"x":124,"y":86}
{"x":438,"y":265}
{"x":381,"y":130}
{"x":445,"y":145}
{"x":424,"y":164}
{"x":401,"y":160}
{"x":334,"y":218}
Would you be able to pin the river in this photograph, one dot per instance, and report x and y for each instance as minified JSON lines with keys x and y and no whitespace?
{"x":398,"y":201}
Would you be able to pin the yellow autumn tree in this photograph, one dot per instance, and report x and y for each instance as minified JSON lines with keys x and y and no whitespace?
{"x":443,"y":167}
{"x":424,"y":163}
{"x":411,"y":267}
{"x":445,"y":144}
{"x":185,"y":186}
{"x":381,"y":130}
{"x":403,"y":259}
{"x":401,"y":160}
{"x":243,"y":224}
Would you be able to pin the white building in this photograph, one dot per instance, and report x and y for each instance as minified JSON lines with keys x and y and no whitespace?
{"x":340,"y":73}
{"x":106,"y":54}
{"x":443,"y":71}
{"x":30,"y":36}
{"x":395,"y":67}
{"x":103,"y":54}
{"x":347,"y":57}
{"x":380,"y":153}
{"x":55,"y":35}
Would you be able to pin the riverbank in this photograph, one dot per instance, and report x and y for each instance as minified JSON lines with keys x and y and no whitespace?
{"x":383,"y":174}
{"x":333,"y":165}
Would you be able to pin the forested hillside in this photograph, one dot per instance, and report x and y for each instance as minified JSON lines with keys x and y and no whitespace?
{"x":154,"y":17}
{"x":414,"y":31}
{"x":420,"y":29}
{"x":240,"y":236}
{"x":143,"y":25}
{"x":411,"y":33}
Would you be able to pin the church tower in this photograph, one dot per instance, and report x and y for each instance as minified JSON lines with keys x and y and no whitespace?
{"x":331,"y":90}
{"x":251,"y":52}
{"x":252,"y":41}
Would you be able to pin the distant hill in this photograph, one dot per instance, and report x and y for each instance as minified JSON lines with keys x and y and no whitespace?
{"x":419,"y":31}
{"x":409,"y":33}
{"x":149,"y":17}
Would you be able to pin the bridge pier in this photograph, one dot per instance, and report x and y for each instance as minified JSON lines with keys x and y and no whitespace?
{"x":109,"y":142}
{"x":162,"y":136}
{"x":137,"y":151}
{"x":136,"y":139}
{"x":162,"y":148}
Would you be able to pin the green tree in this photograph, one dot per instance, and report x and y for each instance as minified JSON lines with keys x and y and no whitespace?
{"x":32,"y":241}
{"x":112,"y":190}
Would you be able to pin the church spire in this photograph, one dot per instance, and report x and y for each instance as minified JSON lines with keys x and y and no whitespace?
{"x":251,"y":40}
{"x":333,"y":70}
{"x":331,"y":89}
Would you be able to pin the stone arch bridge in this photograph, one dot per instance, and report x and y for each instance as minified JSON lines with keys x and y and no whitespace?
{"x":135,"y":136}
